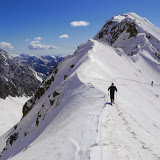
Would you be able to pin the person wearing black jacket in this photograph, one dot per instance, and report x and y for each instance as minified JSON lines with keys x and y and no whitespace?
{"x":112,"y":90}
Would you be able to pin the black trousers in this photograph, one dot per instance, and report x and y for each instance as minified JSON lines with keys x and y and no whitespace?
{"x":112,"y":97}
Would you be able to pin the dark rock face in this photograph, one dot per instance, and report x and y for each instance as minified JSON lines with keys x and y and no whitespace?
{"x":113,"y":29}
{"x":40,"y":91}
{"x":16,"y":78}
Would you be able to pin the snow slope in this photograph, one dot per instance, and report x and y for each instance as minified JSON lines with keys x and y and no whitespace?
{"x":70,"y":116}
{"x":84,"y":125}
{"x":10,"y":112}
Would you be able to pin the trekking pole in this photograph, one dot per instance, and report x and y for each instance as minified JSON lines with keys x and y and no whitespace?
{"x":116,"y":98}
{"x":108,"y":95}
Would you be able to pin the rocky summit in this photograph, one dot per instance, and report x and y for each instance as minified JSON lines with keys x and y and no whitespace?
{"x":131,"y":33}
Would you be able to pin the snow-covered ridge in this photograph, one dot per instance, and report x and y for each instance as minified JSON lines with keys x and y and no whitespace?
{"x":70,"y":117}
{"x":62,"y":71}
{"x":131,"y":33}
{"x":49,"y":98}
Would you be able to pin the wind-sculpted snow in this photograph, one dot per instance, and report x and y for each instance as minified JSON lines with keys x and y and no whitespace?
{"x":57,"y":75}
{"x":70,"y":116}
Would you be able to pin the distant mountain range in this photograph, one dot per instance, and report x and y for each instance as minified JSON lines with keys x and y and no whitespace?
{"x":22,"y":74}
{"x":41,"y":64}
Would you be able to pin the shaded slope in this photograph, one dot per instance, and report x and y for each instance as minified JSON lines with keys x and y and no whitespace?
{"x":16,"y":78}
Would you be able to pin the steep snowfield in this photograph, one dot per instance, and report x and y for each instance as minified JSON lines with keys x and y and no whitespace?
{"x":82,"y":124}
{"x":10,"y":112}
{"x":145,"y":24}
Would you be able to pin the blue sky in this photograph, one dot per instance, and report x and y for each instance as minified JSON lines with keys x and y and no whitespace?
{"x":34,"y":26}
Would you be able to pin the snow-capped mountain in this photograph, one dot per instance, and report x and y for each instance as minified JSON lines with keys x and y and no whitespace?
{"x":41,"y":64}
{"x":70,"y":116}
{"x":131,"y":33}
{"x":16,"y":78}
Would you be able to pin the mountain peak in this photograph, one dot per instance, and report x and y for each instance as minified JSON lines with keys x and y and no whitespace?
{"x":130,"y":16}
{"x":119,"y":17}
{"x":132,"y":33}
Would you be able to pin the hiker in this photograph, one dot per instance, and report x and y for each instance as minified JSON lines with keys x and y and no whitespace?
{"x":152,"y":83}
{"x":112,"y":89}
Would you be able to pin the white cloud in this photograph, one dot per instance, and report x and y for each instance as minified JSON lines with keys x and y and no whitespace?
{"x":6,"y":45}
{"x":38,"y":46}
{"x":64,"y":36}
{"x":26,"y":40}
{"x":33,"y":42}
{"x":79,"y":23}
{"x":37,"y":38}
